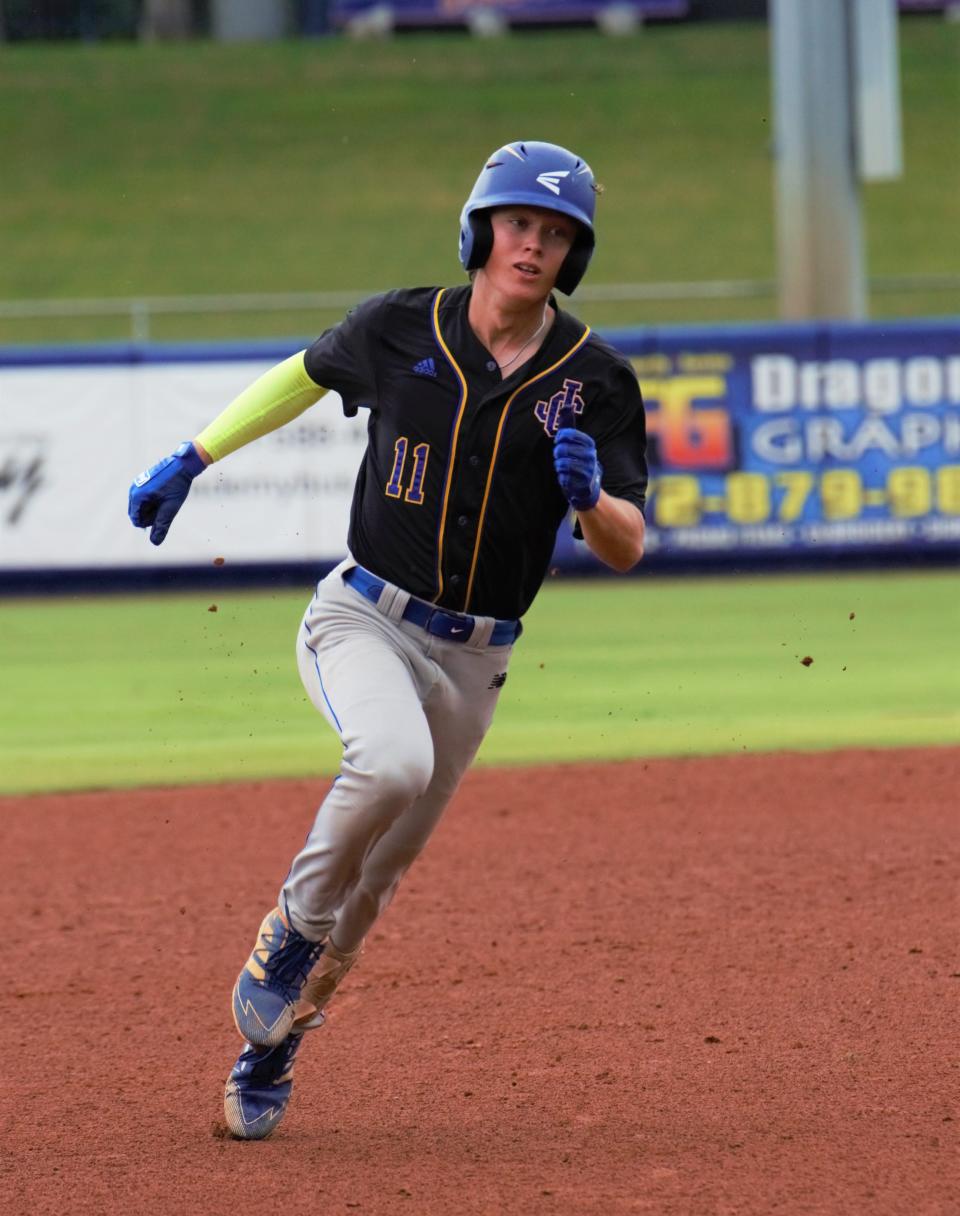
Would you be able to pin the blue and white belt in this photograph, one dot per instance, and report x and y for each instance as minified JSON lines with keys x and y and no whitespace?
{"x":451,"y":626}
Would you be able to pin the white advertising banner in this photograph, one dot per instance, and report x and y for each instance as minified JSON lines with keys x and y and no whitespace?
{"x":72,"y":438}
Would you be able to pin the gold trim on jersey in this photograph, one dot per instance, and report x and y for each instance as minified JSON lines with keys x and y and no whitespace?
{"x":496,"y":447}
{"x":452,"y":455}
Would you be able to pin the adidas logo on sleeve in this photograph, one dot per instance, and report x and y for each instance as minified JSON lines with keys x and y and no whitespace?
{"x":426,"y":367}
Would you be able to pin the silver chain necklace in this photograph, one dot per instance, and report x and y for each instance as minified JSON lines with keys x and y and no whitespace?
{"x":536,"y":333}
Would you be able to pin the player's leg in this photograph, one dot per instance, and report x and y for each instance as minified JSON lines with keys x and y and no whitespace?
{"x":459,"y":687}
{"x":371,"y":679}
{"x":459,"y":710}
{"x":369,"y":682}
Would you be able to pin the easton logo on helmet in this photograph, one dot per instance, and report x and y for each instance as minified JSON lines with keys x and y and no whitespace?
{"x":551,"y":179}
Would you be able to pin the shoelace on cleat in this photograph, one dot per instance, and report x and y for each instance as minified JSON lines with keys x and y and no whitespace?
{"x":291,"y":962}
{"x":280,"y":1059}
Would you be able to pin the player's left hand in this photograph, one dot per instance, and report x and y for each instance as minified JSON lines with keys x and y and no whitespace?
{"x":578,"y":469}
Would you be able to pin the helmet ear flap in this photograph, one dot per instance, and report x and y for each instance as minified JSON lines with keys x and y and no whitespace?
{"x":478,"y":240}
{"x":575,"y":263}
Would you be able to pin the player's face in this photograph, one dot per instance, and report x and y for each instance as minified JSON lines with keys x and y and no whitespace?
{"x":529,"y":245}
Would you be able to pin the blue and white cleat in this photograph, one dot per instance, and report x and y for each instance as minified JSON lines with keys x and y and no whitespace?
{"x":258,"y":1088}
{"x":268,"y":988}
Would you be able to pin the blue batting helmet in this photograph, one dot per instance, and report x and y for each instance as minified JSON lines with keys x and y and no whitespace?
{"x":536,"y":175}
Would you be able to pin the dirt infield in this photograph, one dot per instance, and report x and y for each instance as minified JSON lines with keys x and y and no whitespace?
{"x":691,"y":987}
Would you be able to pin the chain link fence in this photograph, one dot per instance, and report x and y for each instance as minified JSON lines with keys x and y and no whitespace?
{"x":212,"y":317}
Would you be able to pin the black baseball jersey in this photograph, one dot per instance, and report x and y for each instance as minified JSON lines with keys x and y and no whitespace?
{"x":457,"y":500}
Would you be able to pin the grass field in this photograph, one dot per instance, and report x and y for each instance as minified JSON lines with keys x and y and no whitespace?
{"x":131,"y":691}
{"x":202,"y":168}
{"x":297,"y":166}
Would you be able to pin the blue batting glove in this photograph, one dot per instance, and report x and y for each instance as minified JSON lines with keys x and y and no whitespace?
{"x":160,"y":491}
{"x":575,"y":460}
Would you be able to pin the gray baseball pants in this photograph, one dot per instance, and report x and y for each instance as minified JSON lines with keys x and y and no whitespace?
{"x":411,"y":710}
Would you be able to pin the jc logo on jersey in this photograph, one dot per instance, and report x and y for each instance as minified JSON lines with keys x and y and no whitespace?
{"x":548,"y":411}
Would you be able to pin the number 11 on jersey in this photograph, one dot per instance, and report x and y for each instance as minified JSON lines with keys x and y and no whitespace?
{"x":414,"y":492}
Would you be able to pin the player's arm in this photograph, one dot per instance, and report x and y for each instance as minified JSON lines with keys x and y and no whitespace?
{"x":603,"y":474}
{"x":614,"y":530}
{"x":612,"y":527}
{"x":274,"y":399}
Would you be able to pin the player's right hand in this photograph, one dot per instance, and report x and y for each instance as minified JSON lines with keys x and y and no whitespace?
{"x":160,"y":491}
{"x":575,"y":459}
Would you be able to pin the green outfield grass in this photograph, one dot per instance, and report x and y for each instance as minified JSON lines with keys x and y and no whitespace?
{"x":156,"y":690}
{"x":327,"y":165}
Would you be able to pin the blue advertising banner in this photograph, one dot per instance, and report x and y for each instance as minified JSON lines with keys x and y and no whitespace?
{"x":822,"y":439}
{"x":514,"y":12}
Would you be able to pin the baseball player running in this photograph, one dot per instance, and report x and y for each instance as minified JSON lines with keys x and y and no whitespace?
{"x":491,"y":413}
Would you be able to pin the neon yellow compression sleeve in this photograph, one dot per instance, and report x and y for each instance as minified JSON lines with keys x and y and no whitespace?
{"x":277,"y":397}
